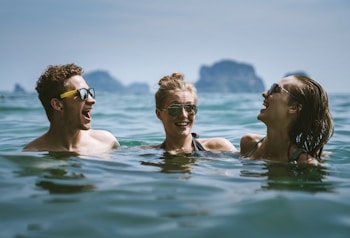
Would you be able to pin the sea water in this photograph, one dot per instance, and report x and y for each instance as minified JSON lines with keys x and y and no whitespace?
{"x":135,"y":192}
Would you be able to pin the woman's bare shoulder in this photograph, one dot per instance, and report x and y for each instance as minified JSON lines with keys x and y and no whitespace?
{"x":150,"y":146}
{"x":250,"y":138}
{"x":217,"y":144}
{"x":305,"y":158}
{"x":247,"y":141}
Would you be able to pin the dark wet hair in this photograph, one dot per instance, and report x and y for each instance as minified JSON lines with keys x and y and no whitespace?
{"x":314,"y":124}
{"x":52,"y":83}
{"x":169,"y":84}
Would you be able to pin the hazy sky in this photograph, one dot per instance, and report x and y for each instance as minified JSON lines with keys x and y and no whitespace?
{"x":143,"y":40}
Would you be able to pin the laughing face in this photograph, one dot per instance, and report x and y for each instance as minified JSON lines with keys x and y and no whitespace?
{"x":276,"y":109}
{"x":177,"y":125}
{"x":77,"y":112}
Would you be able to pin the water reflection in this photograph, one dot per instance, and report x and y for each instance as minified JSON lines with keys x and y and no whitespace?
{"x":61,"y":180}
{"x":286,"y":176}
{"x":172,"y":163}
{"x":66,"y":178}
{"x":181,"y":163}
{"x":54,"y":172}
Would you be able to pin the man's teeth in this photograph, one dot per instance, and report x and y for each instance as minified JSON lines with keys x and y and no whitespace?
{"x":182,"y":123}
{"x":86,"y":113}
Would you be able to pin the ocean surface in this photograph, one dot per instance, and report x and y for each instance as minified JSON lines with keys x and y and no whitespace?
{"x":135,"y":192}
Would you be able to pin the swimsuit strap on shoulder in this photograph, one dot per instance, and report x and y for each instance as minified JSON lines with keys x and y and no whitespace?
{"x":197,"y":146}
{"x":296,"y":154}
{"x":253,"y":148}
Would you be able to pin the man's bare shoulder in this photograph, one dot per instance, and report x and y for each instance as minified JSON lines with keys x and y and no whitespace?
{"x":104,"y":137}
{"x":38,"y":144}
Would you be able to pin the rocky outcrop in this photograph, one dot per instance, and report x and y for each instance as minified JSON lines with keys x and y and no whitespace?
{"x":102,"y":81}
{"x":228,"y":76}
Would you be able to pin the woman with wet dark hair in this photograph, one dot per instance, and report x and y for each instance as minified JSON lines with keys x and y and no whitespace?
{"x":298,"y":122}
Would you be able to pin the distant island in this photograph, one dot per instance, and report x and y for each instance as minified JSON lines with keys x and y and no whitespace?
{"x":225,"y":76}
{"x":228,"y":76}
{"x":19,"y":89}
{"x":103,"y":81}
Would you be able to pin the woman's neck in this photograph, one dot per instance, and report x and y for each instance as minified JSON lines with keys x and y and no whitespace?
{"x":276,"y":145}
{"x":179,"y":145}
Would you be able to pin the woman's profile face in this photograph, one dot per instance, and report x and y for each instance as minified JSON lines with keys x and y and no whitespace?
{"x":276,"y":110}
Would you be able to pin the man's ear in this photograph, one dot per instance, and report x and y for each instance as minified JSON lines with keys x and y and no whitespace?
{"x":158,"y":114}
{"x":56,"y":104}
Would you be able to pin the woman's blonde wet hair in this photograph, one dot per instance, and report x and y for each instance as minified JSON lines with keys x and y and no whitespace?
{"x":171,"y":83}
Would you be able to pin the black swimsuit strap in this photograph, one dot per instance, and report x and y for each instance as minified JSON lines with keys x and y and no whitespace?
{"x":197,"y":146}
{"x":292,"y":158}
{"x":253,"y":148}
{"x":295,"y":155}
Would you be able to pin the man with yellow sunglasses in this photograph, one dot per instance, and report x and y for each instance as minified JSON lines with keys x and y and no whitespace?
{"x":68,"y":101}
